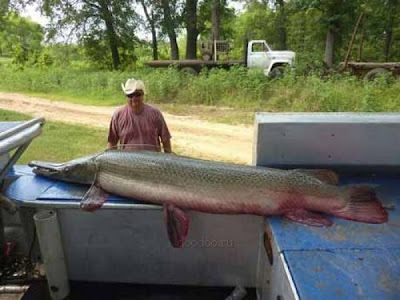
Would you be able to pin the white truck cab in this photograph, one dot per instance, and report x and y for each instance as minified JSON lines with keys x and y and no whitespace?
{"x":260,"y":55}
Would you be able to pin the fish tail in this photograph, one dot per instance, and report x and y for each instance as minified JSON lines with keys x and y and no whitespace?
{"x":362,"y":205}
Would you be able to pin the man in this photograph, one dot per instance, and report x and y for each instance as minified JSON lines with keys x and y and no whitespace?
{"x":138,"y":125}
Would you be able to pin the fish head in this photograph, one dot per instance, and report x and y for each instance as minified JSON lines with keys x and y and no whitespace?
{"x":82,"y":170}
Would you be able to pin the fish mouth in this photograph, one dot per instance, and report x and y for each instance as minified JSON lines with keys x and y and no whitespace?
{"x":47,"y":168}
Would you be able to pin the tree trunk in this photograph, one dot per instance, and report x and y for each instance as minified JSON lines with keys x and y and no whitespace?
{"x":388,"y":38}
{"x":111,"y":34}
{"x":329,"y":47}
{"x":281,"y":20}
{"x":360,"y":46}
{"x":191,"y":28}
{"x":353,"y":36}
{"x":151,"y":21}
{"x":391,"y":8}
{"x":154,"y":38}
{"x":169,"y":25}
{"x":215,"y":19}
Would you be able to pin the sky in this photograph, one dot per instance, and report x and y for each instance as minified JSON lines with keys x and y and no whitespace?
{"x":32,"y":12}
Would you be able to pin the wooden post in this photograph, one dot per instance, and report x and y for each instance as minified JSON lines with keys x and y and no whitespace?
{"x":361,"y":39}
{"x":346,"y":60}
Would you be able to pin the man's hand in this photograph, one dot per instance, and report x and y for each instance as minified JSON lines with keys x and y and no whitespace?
{"x":167,"y":146}
{"x":111,"y":146}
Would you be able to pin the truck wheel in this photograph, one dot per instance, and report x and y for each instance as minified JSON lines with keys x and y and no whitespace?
{"x":371,"y":75}
{"x":277,"y":72}
{"x":189,"y":70}
{"x":206,"y":56}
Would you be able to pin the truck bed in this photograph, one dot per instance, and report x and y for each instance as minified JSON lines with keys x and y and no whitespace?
{"x":373,"y":65}
{"x":370,"y":69}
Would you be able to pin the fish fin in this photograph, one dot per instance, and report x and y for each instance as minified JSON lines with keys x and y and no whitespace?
{"x":307,"y":217}
{"x":93,"y":199}
{"x":362,"y":205}
{"x":323,"y":175}
{"x":177,"y":223}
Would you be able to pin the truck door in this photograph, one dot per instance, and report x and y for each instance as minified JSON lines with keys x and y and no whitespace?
{"x":258,"y":55}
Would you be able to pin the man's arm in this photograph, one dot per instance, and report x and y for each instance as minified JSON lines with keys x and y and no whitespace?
{"x":167,"y":146}
{"x":113,"y":136}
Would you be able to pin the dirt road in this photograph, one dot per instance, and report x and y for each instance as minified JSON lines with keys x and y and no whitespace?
{"x":192,"y":136}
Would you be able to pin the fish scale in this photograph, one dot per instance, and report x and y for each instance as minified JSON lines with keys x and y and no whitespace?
{"x":202,"y":185}
{"x":192,"y":184}
{"x":201,"y":172}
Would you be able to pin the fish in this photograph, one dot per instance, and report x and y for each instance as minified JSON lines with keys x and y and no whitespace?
{"x":181,"y":183}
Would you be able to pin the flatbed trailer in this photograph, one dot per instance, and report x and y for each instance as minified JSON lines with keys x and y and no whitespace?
{"x":194,"y":64}
{"x":369,"y":70}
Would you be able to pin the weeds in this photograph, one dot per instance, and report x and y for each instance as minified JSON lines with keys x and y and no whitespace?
{"x":238,"y":88}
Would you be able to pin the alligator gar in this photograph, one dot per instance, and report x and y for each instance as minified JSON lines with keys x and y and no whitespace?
{"x":180,"y":183}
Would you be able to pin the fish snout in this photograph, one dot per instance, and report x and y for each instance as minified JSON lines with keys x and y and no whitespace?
{"x":47,"y":168}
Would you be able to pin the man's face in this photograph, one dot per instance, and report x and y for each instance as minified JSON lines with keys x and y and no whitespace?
{"x":136,"y":98}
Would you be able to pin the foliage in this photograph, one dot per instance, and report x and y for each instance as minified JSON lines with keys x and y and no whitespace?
{"x":256,"y":23}
{"x":204,"y":20}
{"x":308,"y":21}
{"x":20,"y":38}
{"x":97,"y":22}
{"x":105,"y":33}
{"x":304,"y":37}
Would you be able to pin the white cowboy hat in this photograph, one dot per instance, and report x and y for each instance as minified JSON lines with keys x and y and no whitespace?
{"x":132,"y":85}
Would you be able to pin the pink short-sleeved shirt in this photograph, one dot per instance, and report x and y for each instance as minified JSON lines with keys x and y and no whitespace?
{"x":138,"y":131}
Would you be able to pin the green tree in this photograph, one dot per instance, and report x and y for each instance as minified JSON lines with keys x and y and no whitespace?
{"x":226,"y":20}
{"x":113,"y":21}
{"x":281,"y":23}
{"x":388,"y":12}
{"x":257,"y":22}
{"x":336,"y":20}
{"x":305,"y":36}
{"x":20,"y":37}
{"x":153,"y":14}
{"x":171,"y":22}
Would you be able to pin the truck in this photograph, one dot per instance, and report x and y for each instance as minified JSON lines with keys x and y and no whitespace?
{"x":366,"y":69}
{"x":257,"y":54}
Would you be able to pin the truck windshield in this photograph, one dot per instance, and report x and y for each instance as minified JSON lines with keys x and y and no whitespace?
{"x":259,"y":47}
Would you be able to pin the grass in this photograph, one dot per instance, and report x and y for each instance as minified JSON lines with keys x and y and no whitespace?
{"x":59,"y":142}
{"x":62,"y":142}
{"x":5,"y":60}
{"x":216,"y":95}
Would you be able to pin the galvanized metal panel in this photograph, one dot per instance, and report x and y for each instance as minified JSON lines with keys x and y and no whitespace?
{"x":126,"y":240}
{"x":132,"y":246}
{"x":274,"y":279}
{"x":327,"y":139}
{"x":328,"y":263}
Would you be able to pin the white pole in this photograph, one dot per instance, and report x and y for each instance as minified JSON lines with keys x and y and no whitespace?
{"x":215,"y":50}
{"x":51,"y":247}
